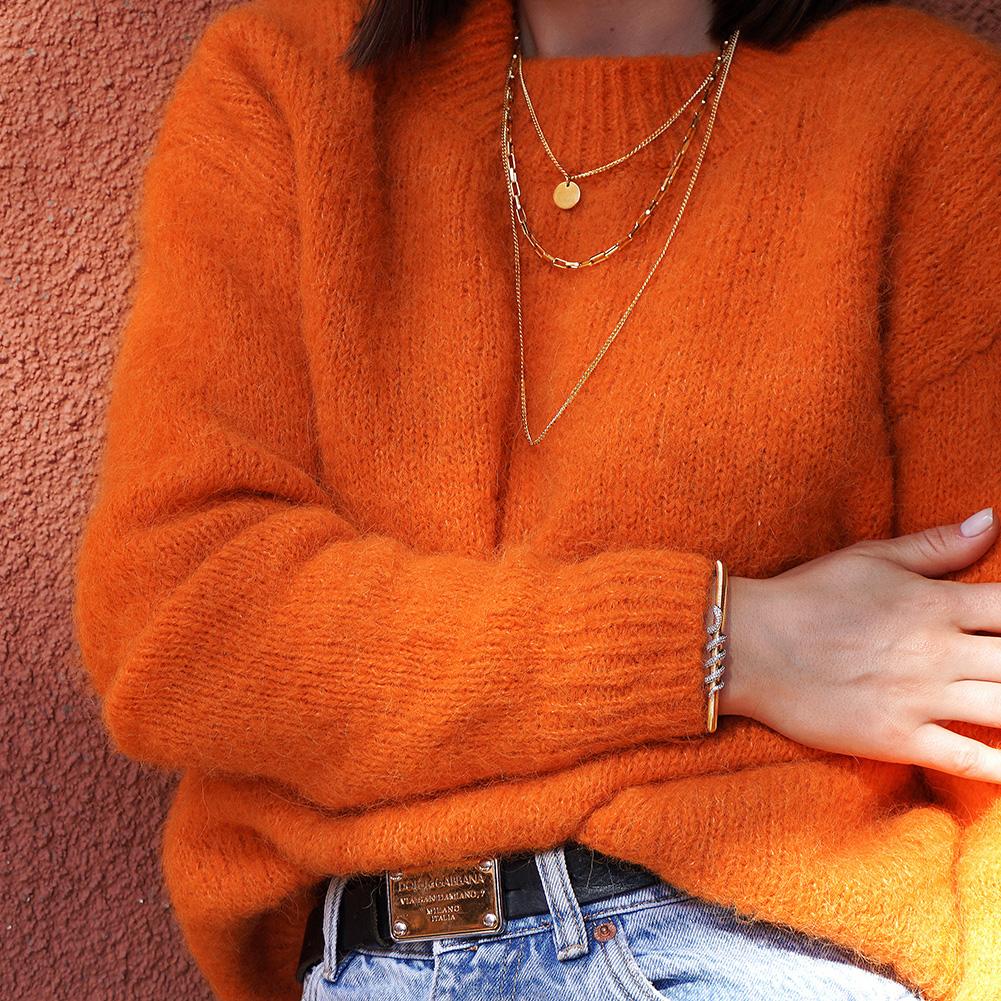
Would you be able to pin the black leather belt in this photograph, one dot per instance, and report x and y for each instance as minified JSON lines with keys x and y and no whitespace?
{"x":363,"y":915}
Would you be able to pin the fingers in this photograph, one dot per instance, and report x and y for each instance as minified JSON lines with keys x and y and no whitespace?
{"x":940,"y":549}
{"x":973,"y":606}
{"x":974,"y":658}
{"x":945,"y":750}
{"x":971,"y":702}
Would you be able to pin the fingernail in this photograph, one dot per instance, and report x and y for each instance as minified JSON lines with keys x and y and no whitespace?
{"x":978,"y":522}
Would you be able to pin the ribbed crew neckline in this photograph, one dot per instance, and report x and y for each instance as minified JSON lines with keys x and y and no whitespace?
{"x":598,"y":107}
{"x":596,"y":103}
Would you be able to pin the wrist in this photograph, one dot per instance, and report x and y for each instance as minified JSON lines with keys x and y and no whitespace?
{"x":745,"y":599}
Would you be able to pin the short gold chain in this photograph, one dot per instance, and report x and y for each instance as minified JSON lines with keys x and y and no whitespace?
{"x":601,"y":255}
{"x":511,"y":180}
{"x":659,"y":131}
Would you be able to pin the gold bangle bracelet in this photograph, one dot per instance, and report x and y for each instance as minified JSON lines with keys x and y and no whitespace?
{"x":715,"y":646}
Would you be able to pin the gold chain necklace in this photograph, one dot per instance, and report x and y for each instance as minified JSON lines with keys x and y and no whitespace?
{"x":567,"y":193}
{"x":601,"y":255}
{"x":644,"y":217}
{"x":511,"y":182}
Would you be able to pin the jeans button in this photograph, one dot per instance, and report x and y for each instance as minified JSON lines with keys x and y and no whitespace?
{"x":604,"y":931}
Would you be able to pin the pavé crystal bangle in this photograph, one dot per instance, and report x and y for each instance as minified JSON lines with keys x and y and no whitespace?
{"x":715,"y":622}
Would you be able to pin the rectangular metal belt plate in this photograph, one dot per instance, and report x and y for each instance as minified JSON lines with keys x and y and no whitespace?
{"x":445,"y":903}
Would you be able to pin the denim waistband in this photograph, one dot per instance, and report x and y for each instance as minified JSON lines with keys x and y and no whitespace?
{"x":565,"y":920}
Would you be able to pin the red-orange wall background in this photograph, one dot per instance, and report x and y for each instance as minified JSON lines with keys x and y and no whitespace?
{"x":82,"y":83}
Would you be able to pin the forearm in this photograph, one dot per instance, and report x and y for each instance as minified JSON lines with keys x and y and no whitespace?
{"x":267,"y":639}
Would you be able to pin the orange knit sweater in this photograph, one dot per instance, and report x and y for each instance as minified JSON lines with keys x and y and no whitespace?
{"x":326,"y":577}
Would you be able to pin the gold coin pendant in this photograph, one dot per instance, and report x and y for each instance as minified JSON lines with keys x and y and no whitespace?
{"x":567,"y":194}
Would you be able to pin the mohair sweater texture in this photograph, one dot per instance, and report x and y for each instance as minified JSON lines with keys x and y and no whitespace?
{"x":326,"y":578}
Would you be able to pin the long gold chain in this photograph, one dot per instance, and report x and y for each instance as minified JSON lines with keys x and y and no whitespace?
{"x":511,"y":182}
{"x":567,"y":194}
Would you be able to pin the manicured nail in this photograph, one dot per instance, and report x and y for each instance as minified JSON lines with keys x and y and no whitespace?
{"x":978,"y":522}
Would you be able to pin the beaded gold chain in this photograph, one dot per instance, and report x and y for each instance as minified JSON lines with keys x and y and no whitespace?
{"x":511,"y":181}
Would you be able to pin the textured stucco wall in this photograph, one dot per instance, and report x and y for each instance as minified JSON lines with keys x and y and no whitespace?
{"x":81,"y":85}
{"x":81,"y":81}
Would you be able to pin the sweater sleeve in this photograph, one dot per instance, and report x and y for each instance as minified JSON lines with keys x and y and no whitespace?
{"x":944,"y":369}
{"x":230,"y":616}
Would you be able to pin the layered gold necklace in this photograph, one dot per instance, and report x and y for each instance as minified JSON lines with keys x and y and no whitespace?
{"x":567,"y":194}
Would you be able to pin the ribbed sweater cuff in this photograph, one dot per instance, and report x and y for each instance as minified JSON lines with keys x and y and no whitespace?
{"x":634,"y":624}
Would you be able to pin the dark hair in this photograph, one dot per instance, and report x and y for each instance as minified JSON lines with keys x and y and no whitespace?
{"x":389,"y":26}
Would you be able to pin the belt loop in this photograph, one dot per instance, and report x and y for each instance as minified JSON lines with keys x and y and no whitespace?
{"x":331,"y":910}
{"x":569,"y":931}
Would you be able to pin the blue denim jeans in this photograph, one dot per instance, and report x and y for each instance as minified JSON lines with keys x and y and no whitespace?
{"x":653,"y":943}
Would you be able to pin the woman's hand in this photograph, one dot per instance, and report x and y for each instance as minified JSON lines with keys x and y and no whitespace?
{"x":861,"y":651}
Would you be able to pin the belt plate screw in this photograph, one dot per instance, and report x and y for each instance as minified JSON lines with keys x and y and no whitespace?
{"x":396,"y":875}
{"x":486,"y":866}
{"x":401,"y":927}
{"x":490,"y":919}
{"x":604,"y":931}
